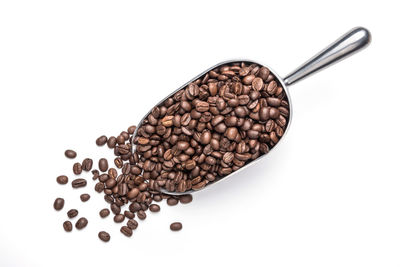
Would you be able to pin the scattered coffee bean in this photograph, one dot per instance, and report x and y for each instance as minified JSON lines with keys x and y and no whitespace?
{"x":115,"y":209}
{"x":62,"y":179}
{"x":72,"y":213}
{"x":176,"y":226}
{"x":77,"y":183}
{"x":87,"y":164}
{"x":184,"y":199}
{"x":172,"y":201}
{"x":77,"y":168}
{"x":104,"y":236}
{"x":119,"y":218}
{"x":132,"y":224}
{"x":154,"y":208}
{"x":126,"y":231}
{"x":67,"y":226}
{"x":104,"y":213}
{"x":128,"y":214}
{"x":101,"y":141}
{"x":58,"y":203}
{"x":141,"y":214}
{"x":70,"y":154}
{"x":85,"y":197}
{"x":81,"y":223}
{"x":103,"y":165}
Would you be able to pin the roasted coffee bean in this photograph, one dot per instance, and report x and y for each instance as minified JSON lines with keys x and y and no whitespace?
{"x":119,"y":218}
{"x":104,"y":213}
{"x":72,"y":213}
{"x":176,"y":226}
{"x":85,"y":197}
{"x":58,"y":203}
{"x":141,"y":214}
{"x":115,"y":209}
{"x":77,"y":168}
{"x":87,"y":164}
{"x":126,"y":231}
{"x":62,"y":179}
{"x":112,"y":142}
{"x":101,"y":141}
{"x":185,"y":199}
{"x":128,"y":214}
{"x":77,"y":183}
{"x":172,"y":201}
{"x":67,"y":226}
{"x":154,"y":208}
{"x":104,"y":236}
{"x":103,"y":165}
{"x":70,"y":154}
{"x":99,"y":187}
{"x":81,"y":223}
{"x":132,"y":224}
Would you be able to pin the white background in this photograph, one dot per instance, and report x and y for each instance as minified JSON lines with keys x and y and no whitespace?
{"x":73,"y":70}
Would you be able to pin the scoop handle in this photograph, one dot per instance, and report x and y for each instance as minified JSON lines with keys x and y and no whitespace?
{"x":351,"y":42}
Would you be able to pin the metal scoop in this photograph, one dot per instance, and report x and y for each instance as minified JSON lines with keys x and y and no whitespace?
{"x":350,"y":43}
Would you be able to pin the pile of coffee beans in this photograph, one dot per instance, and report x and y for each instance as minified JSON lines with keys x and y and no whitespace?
{"x":211,"y":128}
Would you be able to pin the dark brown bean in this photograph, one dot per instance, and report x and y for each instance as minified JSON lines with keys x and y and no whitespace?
{"x":70,"y":154}
{"x":185,"y":199}
{"x":154,"y":208}
{"x":101,"y":141}
{"x":77,"y":168}
{"x":67,"y":225}
{"x":77,"y":183}
{"x":104,"y":213}
{"x":62,"y":179}
{"x":81,"y":223}
{"x":176,"y":226}
{"x":103,"y":165}
{"x":126,"y":231}
{"x":172,"y":201}
{"x":85,"y":197}
{"x":58,"y":203}
{"x":119,"y":218}
{"x":87,"y":164}
{"x":104,"y":236}
{"x":72,"y":213}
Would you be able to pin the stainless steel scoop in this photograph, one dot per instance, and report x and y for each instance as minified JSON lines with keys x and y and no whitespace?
{"x":350,"y":43}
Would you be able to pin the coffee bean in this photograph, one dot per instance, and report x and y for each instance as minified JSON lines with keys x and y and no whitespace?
{"x":104,"y":236}
{"x":87,"y":164}
{"x":176,"y":226}
{"x":185,"y":199}
{"x":77,"y":168}
{"x":128,"y":214}
{"x":126,"y":231}
{"x":101,"y":141}
{"x":58,"y":203}
{"x":72,"y":213}
{"x":257,"y":84}
{"x":62,"y":179}
{"x":119,"y":218}
{"x":115,"y":209}
{"x":67,"y":226}
{"x":77,"y":183}
{"x":70,"y":154}
{"x":141,"y":214}
{"x":132,"y":224}
{"x":154,"y":208}
{"x":172,"y":201}
{"x":85,"y":197}
{"x":111,"y":142}
{"x":104,"y":213}
{"x":103,"y":165}
{"x":81,"y":223}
